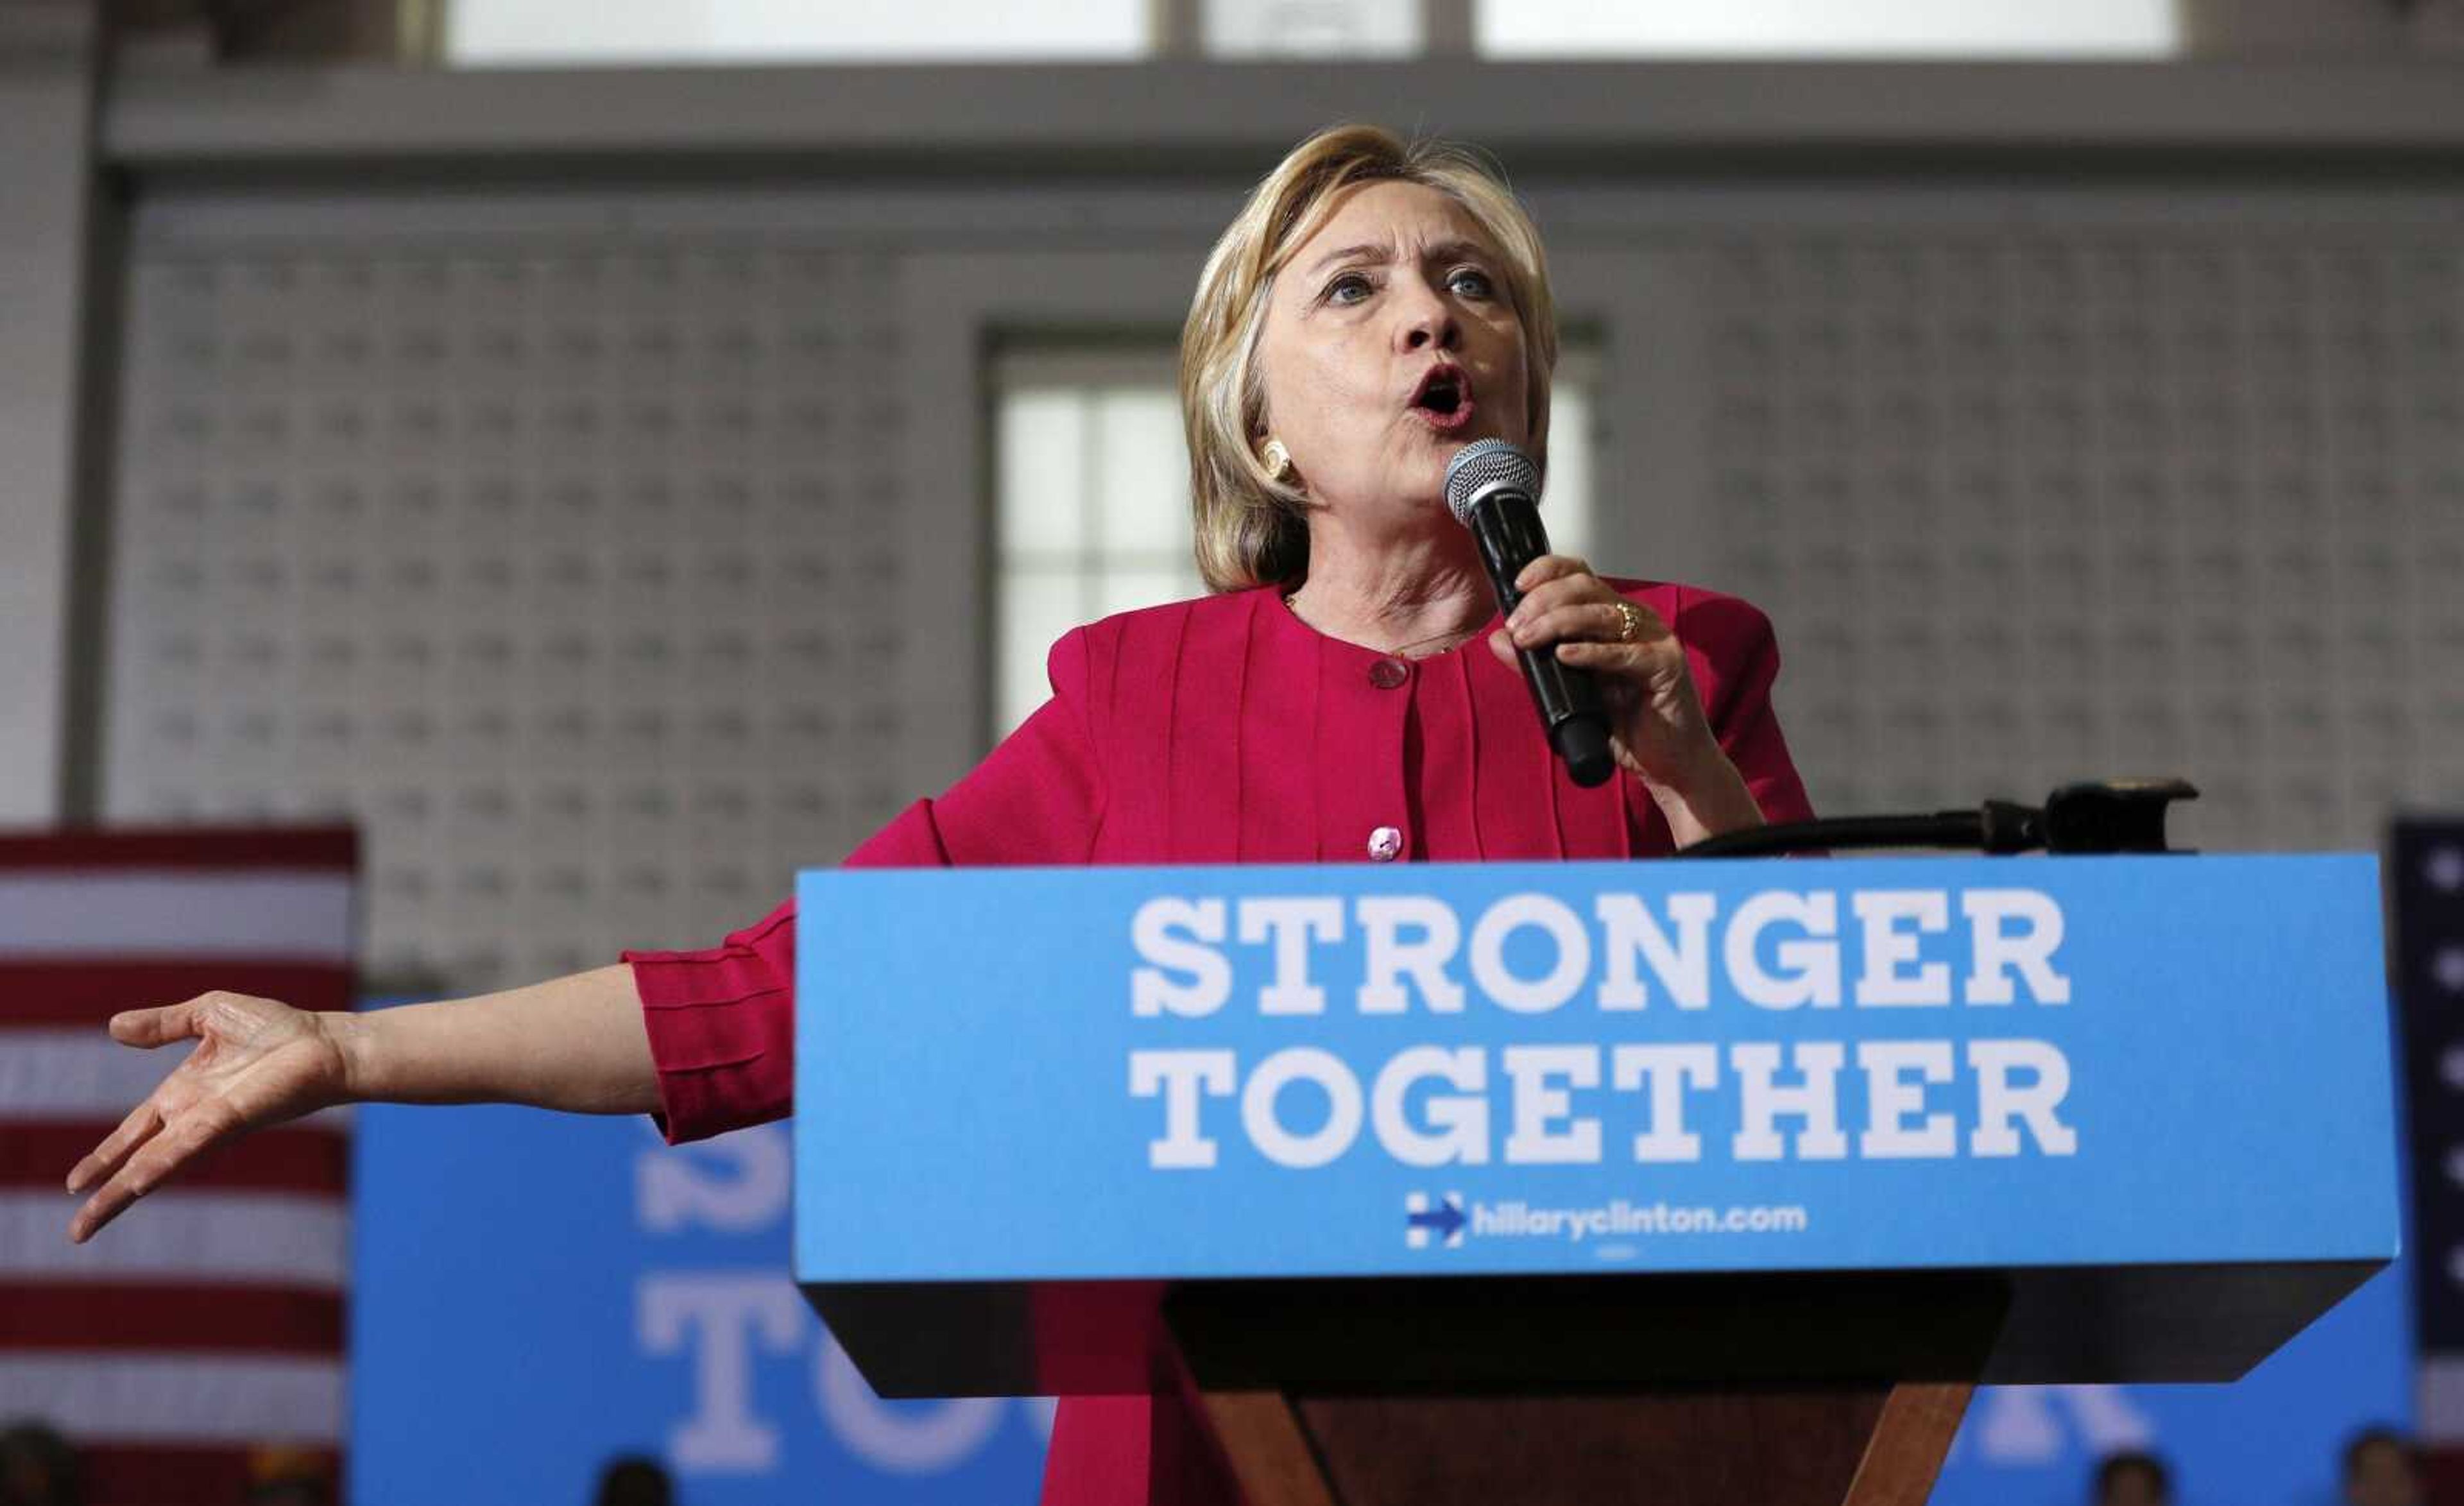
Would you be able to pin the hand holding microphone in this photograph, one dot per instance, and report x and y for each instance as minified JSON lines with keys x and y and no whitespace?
{"x":1607,"y":675}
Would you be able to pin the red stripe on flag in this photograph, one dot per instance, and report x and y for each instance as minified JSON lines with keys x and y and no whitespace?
{"x":283,"y":1160}
{"x":183,"y":847}
{"x":138,"y":1474}
{"x":71,"y":990}
{"x":167,"y":1316}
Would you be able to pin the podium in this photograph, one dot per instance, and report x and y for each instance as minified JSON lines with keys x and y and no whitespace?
{"x":1687,"y":1182}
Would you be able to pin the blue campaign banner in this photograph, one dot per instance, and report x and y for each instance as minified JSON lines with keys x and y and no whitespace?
{"x":536,"y":1293}
{"x":1560,"y":1067}
{"x":505,"y":1261}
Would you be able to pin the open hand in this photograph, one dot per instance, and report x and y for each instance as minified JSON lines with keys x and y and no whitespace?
{"x":260,"y":1063}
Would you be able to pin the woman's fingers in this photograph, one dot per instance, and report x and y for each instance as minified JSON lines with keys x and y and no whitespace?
{"x":117,"y":1147}
{"x":118,"y":1190}
{"x":151,"y":1027}
{"x":155,"y":1162}
{"x":146,"y":1029}
{"x":106,"y":1204}
{"x":109,"y":1202}
{"x":186,"y":1138}
{"x":1598,"y":621}
{"x":1554,"y":592}
{"x":1548,"y":567}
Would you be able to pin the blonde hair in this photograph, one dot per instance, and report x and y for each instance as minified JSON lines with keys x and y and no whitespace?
{"x":1252,"y":529}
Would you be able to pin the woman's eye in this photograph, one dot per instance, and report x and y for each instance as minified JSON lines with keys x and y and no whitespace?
{"x":1350,"y":279}
{"x":1480,"y":286}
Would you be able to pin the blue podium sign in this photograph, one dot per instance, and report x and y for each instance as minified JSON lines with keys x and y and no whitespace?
{"x":1120,"y":1077}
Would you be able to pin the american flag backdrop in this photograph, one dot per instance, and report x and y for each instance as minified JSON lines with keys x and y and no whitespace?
{"x":2425,"y":876}
{"x":198,"y":1340}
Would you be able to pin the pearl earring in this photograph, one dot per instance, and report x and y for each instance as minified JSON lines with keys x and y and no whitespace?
{"x":1278,"y":459}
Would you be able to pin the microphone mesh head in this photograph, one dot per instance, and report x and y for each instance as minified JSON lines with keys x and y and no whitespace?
{"x":1482,"y":464}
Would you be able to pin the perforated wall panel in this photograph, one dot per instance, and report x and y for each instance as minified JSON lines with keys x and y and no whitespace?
{"x":532,"y":558}
{"x":2037,"y":507}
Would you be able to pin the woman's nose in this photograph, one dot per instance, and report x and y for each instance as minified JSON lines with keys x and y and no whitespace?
{"x":1427,"y":319}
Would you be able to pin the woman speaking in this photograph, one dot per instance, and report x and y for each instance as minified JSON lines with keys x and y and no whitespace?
{"x":1376,"y":306}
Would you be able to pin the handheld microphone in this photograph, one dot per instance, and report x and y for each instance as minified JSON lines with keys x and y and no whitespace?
{"x":1492,"y":489}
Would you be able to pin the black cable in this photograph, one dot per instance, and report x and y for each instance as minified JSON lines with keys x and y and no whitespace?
{"x":1959,"y":828}
{"x":2112,"y":815}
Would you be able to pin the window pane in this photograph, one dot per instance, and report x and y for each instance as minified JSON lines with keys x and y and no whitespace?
{"x":1829,"y":28}
{"x":1318,"y":28}
{"x":528,"y":33}
{"x":1143,"y":471}
{"x":1042,"y":448}
{"x":1566,"y":502}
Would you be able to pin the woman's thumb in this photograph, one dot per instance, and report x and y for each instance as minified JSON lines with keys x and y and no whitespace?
{"x":172,"y":1022}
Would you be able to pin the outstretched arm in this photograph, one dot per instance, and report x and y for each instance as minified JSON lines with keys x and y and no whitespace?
{"x":575,"y":1043}
{"x":582,"y":1043}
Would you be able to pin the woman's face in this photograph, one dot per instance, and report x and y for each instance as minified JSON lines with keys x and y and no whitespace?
{"x":1399,"y":281}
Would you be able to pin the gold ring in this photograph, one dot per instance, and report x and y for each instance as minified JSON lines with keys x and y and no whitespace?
{"x":1630,"y":622}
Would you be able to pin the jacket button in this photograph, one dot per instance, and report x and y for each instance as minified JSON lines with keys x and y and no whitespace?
{"x":1388,"y":673}
{"x":1385,"y":844}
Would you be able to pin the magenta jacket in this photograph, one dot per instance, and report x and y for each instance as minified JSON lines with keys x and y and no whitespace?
{"x":1220,"y":730}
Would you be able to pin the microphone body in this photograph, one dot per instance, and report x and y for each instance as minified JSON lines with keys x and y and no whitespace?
{"x":1490,"y":487}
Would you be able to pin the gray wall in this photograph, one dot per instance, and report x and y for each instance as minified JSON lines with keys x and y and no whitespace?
{"x":580,"y":480}
{"x":47,"y":106}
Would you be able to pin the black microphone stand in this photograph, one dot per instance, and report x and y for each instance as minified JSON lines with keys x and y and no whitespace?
{"x":2118,"y":815}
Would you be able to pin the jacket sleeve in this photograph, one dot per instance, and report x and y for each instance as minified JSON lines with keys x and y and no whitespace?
{"x":721,"y":1019}
{"x":1738,"y":661}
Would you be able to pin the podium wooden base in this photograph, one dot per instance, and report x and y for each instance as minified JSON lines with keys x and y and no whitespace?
{"x":1835,"y":1447}
{"x":1681,"y":1392}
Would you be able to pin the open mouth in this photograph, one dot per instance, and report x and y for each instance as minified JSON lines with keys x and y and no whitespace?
{"x":1445,"y":398}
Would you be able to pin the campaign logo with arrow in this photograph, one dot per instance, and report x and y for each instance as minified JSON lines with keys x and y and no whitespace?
{"x":1444,"y":1218}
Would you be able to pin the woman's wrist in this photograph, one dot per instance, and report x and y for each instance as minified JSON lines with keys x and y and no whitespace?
{"x":352,"y":1034}
{"x":390,"y":1056}
{"x":577,"y":1043}
{"x":1706,"y":798}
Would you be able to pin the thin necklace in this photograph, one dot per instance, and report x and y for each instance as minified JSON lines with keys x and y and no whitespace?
{"x":1400,"y":650}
